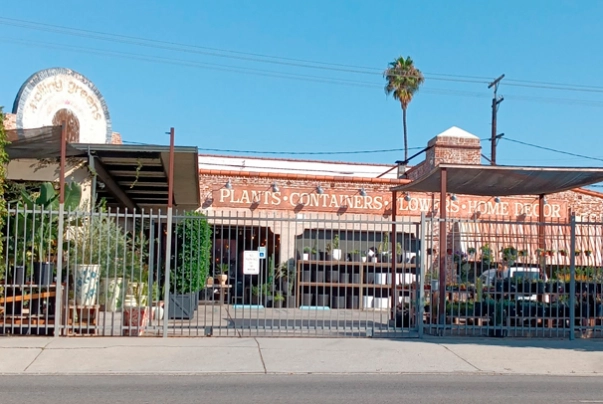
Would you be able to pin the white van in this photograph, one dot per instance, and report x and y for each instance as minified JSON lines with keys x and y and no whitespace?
{"x":515,"y":273}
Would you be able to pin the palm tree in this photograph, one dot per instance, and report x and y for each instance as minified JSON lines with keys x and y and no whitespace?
{"x":403,"y":81}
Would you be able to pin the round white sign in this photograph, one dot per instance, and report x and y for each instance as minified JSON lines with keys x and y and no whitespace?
{"x":53,"y":96}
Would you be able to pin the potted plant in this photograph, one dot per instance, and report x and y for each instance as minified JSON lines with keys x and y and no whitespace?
{"x":363,"y":256}
{"x":563,"y":253}
{"x":399,"y":252}
{"x":471,"y":251}
{"x":278,"y":300}
{"x":509,"y":255}
{"x":355,"y":256}
{"x":550,"y":253}
{"x":190,"y":268}
{"x":136,"y":309}
{"x":588,"y":253}
{"x":306,"y":255}
{"x":255,"y":294}
{"x":384,"y":248}
{"x":222,"y":276}
{"x":522,"y":253}
{"x":39,"y":223}
{"x":336,"y":252}
{"x":577,"y":253}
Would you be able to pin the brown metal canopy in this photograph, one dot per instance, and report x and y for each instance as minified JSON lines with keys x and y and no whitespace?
{"x":482,"y":180}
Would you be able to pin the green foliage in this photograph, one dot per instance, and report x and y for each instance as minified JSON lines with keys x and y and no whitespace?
{"x":336,"y":242}
{"x":509,"y":255}
{"x":37,"y":224}
{"x":99,"y":239}
{"x":191,"y":268}
{"x":403,"y":80}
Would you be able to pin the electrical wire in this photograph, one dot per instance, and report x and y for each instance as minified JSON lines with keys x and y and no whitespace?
{"x":276,"y":74}
{"x":551,"y":149}
{"x":262,"y":58}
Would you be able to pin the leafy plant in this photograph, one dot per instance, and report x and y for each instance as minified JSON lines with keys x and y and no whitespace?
{"x":384,"y":245}
{"x":307,"y":250}
{"x":278,"y":297}
{"x":336,"y":242}
{"x":191,"y":269}
{"x":471,"y":251}
{"x":224,"y":268}
{"x":486,"y":254}
{"x":509,"y":255}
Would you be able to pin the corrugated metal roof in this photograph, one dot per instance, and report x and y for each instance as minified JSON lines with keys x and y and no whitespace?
{"x":483,"y":180}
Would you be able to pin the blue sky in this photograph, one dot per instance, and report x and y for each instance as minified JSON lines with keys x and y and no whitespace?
{"x":212,"y":106}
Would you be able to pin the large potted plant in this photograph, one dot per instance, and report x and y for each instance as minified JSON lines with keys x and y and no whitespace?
{"x":191,"y":265}
{"x":39,"y":224}
{"x":136,"y":312}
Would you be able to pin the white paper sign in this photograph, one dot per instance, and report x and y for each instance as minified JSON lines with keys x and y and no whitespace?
{"x":251,"y":263}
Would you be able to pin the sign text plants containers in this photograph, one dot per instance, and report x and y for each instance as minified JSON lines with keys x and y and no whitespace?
{"x":190,"y":266}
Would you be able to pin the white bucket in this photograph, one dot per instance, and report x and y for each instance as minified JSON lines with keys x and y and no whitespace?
{"x":367,"y":302}
{"x":381,"y":302}
{"x":86,"y":284}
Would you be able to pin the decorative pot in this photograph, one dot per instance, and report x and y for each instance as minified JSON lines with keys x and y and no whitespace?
{"x":306,"y":257}
{"x":110,"y":294}
{"x":86,"y":284}
{"x":336,"y":254}
{"x":363,"y":259}
{"x":222,"y":279}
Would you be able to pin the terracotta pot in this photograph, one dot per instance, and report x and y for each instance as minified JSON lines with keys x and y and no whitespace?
{"x":135,"y":320}
{"x":222,"y":279}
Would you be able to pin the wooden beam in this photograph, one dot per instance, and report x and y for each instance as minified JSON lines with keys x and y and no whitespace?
{"x":112,"y":186}
{"x":13,"y":299}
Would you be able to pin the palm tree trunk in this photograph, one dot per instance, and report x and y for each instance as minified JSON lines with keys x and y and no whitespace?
{"x":405,"y":134}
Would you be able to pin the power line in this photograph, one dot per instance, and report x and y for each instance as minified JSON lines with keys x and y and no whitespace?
{"x":552,"y":150}
{"x":213,"y":51}
{"x":275,"y":74}
{"x":262,"y":58}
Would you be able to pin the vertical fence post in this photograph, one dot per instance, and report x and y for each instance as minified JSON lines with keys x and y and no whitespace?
{"x":572,"y":288}
{"x":59,"y":289}
{"x":420,"y":273}
{"x":168,"y":241}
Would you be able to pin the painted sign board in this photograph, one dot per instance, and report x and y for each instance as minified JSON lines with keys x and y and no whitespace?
{"x":308,"y":200}
{"x":54,"y":96}
{"x":251,"y":262}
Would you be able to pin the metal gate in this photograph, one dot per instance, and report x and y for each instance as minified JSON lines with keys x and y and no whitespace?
{"x":222,"y":275}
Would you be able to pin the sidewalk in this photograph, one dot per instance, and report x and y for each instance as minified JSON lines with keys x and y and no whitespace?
{"x":297,"y":355}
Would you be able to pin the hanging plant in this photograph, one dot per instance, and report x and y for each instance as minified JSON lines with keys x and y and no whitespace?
{"x":563,"y":253}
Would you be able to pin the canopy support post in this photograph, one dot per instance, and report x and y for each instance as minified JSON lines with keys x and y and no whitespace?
{"x":394,"y":255}
{"x":443,"y":244}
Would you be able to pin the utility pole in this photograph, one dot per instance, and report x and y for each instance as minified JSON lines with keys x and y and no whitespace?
{"x":495,"y":101}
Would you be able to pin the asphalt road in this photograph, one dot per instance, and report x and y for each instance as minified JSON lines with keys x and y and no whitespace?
{"x":331,"y":389}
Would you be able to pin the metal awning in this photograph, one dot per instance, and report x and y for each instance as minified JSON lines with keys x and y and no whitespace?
{"x":137,"y":175}
{"x":128,"y":176}
{"x":482,"y":180}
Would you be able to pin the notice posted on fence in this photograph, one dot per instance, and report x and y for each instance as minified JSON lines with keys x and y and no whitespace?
{"x":251,"y":262}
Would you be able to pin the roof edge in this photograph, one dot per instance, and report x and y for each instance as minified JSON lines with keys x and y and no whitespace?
{"x":304,"y":177}
{"x":588,"y":192}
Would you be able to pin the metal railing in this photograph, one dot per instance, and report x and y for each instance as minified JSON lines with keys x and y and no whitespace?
{"x":248,"y":274}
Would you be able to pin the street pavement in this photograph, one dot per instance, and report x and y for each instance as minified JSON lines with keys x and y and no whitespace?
{"x":274,"y":356}
{"x":332,"y":389}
